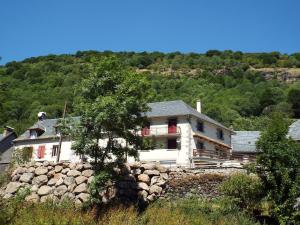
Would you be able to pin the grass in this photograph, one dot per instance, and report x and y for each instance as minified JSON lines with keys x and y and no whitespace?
{"x":178,"y":212}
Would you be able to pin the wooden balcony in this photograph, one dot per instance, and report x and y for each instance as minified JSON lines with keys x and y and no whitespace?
{"x":211,"y":154}
{"x":161,"y":131}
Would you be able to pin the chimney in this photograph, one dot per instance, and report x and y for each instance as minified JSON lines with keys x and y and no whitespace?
{"x":198,"y":106}
{"x":41,"y":116}
{"x":7,"y":130}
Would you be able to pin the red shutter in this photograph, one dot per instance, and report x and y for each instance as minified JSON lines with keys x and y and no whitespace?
{"x":41,"y":152}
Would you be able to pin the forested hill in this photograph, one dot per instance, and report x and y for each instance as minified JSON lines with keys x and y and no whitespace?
{"x":238,"y":89}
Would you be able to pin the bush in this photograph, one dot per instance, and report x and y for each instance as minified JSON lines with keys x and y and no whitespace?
{"x":245,"y":190}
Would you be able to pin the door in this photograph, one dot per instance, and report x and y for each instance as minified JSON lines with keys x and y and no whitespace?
{"x":172,"y":126}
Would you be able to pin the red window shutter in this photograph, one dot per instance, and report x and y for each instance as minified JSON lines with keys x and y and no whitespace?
{"x":41,"y":151}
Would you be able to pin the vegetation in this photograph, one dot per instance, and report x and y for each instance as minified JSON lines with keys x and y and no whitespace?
{"x":179,"y":212}
{"x":229,"y":84}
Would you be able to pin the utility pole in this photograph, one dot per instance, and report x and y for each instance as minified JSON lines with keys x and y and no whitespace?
{"x":60,"y":134}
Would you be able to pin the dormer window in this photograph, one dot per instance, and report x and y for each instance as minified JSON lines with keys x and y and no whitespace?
{"x":33,"y":134}
{"x":220,"y":134}
{"x":200,"y":126}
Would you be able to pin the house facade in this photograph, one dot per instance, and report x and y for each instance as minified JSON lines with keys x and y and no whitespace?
{"x":6,"y":147}
{"x":183,"y":136}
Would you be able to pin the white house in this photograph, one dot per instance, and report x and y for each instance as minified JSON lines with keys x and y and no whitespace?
{"x":184,"y":137}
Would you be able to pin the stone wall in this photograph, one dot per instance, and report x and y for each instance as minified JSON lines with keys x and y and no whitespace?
{"x":137,"y":182}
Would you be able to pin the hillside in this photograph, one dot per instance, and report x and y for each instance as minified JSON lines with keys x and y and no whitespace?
{"x":238,"y":89}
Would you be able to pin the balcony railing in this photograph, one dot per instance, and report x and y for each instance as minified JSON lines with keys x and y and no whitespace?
{"x":213,"y":154}
{"x":160,"y":131}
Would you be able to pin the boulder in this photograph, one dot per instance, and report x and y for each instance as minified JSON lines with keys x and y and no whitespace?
{"x":80,"y":188}
{"x":51,"y":173}
{"x":19,"y":170}
{"x":161,"y":169}
{"x":158,"y":181}
{"x":30,"y":170}
{"x":80,"y":179}
{"x":142,"y":186}
{"x":16,"y":177}
{"x":65,"y":170}
{"x":68,"y":195}
{"x":152,"y":172}
{"x":87,"y":173}
{"x":154,"y":189}
{"x":148,"y":166}
{"x":50,"y":167}
{"x":59,"y":182}
{"x":79,"y":167}
{"x":136,"y":171}
{"x":143,"y":194}
{"x":73,"y":173}
{"x":33,"y":197}
{"x":151,"y":198}
{"x":57,"y":169}
{"x":38,"y":164}
{"x":87,"y":166}
{"x":39,"y":180}
{"x":144,"y":178}
{"x":60,"y":190}
{"x":69,"y":180}
{"x":12,"y":187}
{"x":165,"y":176}
{"x":41,"y":170}
{"x":46,"y":163}
{"x":72,"y":166}
{"x":90,"y":179}
{"x":44,"y":190}
{"x":34,"y":188}
{"x":83,"y":197}
{"x":52,"y":181}
{"x":71,"y":187}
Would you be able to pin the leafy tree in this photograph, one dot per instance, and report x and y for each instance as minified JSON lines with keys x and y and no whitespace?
{"x":294,"y":99}
{"x":112,"y":102}
{"x":279,"y":162}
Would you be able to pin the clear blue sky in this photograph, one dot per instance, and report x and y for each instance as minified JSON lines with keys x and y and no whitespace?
{"x":36,"y":27}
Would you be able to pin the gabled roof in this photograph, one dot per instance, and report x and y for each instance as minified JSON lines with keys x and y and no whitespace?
{"x":178,"y":108}
{"x":47,"y":125}
{"x":294,"y":130}
{"x":244,"y":141}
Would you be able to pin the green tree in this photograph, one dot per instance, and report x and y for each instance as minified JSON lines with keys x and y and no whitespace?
{"x":294,"y":99}
{"x":279,"y":162}
{"x":112,"y":102}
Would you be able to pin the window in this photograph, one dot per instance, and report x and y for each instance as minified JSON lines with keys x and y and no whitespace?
{"x":172,"y":126}
{"x":41,"y":152}
{"x":172,"y":144}
{"x":146,"y":129}
{"x":200,"y":126}
{"x":55,"y":150}
{"x":220,"y":134}
{"x":33,"y":134}
{"x":200,"y":145}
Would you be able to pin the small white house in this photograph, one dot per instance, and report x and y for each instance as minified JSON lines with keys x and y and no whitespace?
{"x":184,"y":137}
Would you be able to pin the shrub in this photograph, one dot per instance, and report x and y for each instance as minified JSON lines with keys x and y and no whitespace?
{"x":245,"y":190}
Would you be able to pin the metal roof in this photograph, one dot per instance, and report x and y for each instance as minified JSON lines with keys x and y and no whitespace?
{"x":244,"y":141}
{"x":294,"y":130}
{"x":178,"y":108}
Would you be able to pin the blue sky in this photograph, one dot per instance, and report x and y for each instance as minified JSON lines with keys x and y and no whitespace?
{"x":34,"y":27}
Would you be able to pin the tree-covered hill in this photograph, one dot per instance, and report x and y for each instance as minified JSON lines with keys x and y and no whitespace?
{"x":233,"y":86}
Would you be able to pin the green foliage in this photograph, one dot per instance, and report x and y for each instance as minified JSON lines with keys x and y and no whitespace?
{"x":245,"y":190}
{"x":278,"y":163}
{"x":22,"y":155}
{"x":294,"y":99}
{"x":111,"y":102}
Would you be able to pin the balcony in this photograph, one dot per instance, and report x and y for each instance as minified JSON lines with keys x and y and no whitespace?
{"x":211,"y":154}
{"x":161,"y":131}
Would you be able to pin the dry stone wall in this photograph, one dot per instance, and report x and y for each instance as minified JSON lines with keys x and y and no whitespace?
{"x":137,"y":182}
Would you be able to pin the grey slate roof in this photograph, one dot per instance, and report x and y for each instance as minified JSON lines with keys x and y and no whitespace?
{"x":5,"y":157}
{"x":178,"y":108}
{"x":1,"y":137}
{"x":294,"y":130}
{"x":244,"y":141}
{"x":47,"y":125}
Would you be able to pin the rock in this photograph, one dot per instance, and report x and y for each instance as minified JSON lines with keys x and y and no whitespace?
{"x":71,"y":187}
{"x":152,"y":172}
{"x":69,"y":180}
{"x":151,"y":198}
{"x":154,"y":189}
{"x":80,"y":179}
{"x":72,"y":166}
{"x":46,"y":163}
{"x":59,"y":182}
{"x":38,"y":164}
{"x":136,"y":171}
{"x":148,"y":166}
{"x":50,"y":167}
{"x":19,"y":170}
{"x":65,"y":171}
{"x":33,"y":197}
{"x":51,"y":173}
{"x":78,"y":201}
{"x":143,"y":194}
{"x":60,"y":190}
{"x":7,"y":196}
{"x":144,"y":178}
{"x":80,"y":188}
{"x":39,"y":180}
{"x":161,"y":169}
{"x":90,"y":179}
{"x":34,"y":188}
{"x":50,"y":197}
{"x":44,"y":190}
{"x":164,"y":176}
{"x":41,"y":170}
{"x":158,"y":181}
{"x":68,"y":195}
{"x":12,"y":187}
{"x":57,"y":169}
{"x":87,"y":173}
{"x":52,"y":182}
{"x":15,"y":177}
{"x":87,"y":166}
{"x":79,"y":167}
{"x":134,"y":165}
{"x":30,"y":170}
{"x":142,"y":186}
{"x":73,"y":173}
{"x":83,"y":197}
